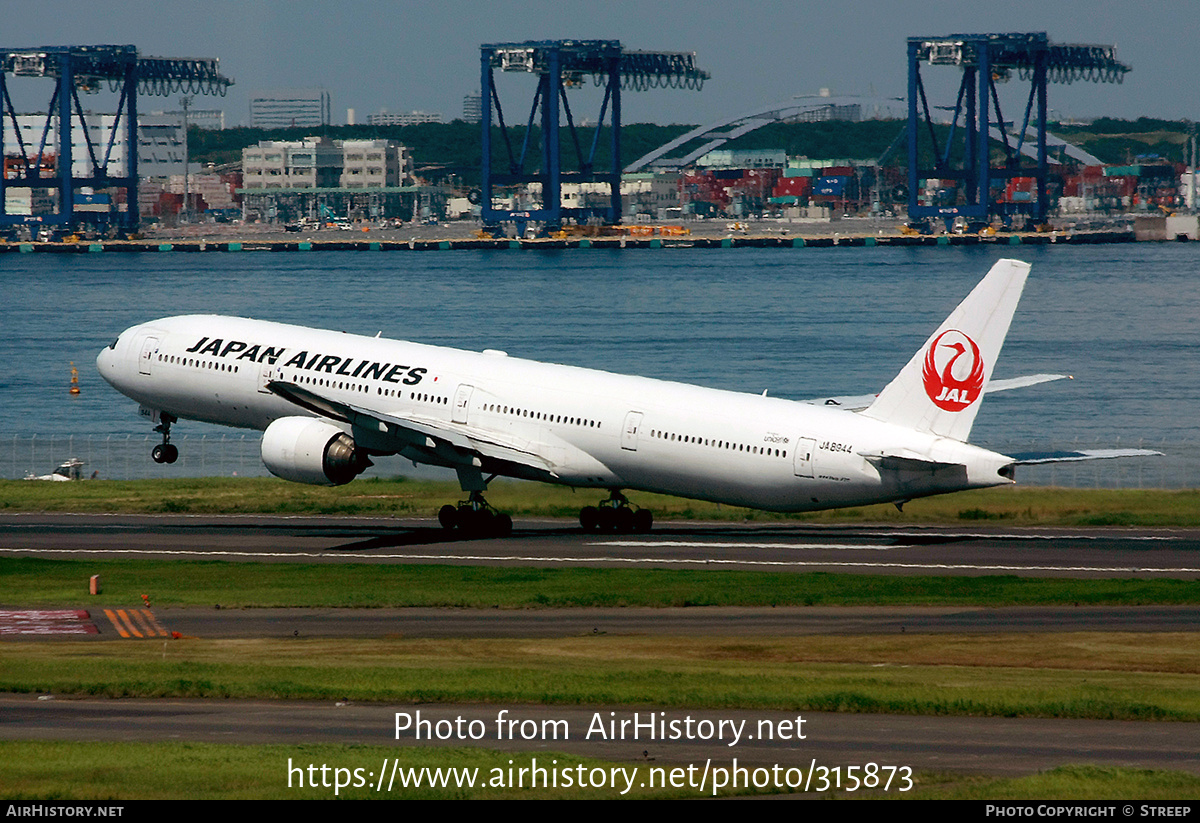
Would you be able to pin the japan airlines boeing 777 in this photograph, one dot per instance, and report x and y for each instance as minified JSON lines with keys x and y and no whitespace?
{"x":327,"y":402}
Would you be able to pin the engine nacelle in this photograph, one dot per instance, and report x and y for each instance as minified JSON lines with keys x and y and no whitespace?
{"x":308,"y":450}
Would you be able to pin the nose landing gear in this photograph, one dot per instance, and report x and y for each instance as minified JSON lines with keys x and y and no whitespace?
{"x":616,"y":514}
{"x":165,"y":452}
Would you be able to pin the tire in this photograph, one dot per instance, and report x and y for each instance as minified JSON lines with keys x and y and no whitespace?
{"x":643,"y":521}
{"x":623,"y":520}
{"x":503,"y":525}
{"x":484,"y":523}
{"x":589,"y":518}
{"x":607,"y":519}
{"x":448,"y":517}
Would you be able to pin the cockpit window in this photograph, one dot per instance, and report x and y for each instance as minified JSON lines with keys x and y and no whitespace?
{"x":113,"y":344}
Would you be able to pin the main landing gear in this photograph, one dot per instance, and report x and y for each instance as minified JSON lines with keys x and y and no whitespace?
{"x":616,"y":514}
{"x":475,"y":517}
{"x":164,"y":452}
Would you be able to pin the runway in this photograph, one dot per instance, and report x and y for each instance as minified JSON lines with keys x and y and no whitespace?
{"x":1040,"y":552}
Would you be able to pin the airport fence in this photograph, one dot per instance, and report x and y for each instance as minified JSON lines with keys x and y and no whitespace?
{"x":127,"y":457}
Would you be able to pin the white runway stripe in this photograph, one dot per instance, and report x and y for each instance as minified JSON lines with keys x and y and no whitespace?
{"x":708,"y":562}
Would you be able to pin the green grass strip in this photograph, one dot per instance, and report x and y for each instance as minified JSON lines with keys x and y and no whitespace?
{"x":1083,"y":675}
{"x":42,"y":582}
{"x":208,"y":771}
{"x":1077,"y":782}
{"x":37,"y":771}
{"x":408,"y":498}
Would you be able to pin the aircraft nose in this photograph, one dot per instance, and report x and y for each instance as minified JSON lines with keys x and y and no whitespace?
{"x":106,"y":363}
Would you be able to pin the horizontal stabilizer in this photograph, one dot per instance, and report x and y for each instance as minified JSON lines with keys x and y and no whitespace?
{"x":858,"y":402}
{"x":1027,"y":380}
{"x":894,"y":462}
{"x":1036,"y":458}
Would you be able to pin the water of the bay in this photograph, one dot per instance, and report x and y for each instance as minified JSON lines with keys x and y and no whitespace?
{"x":799,"y":323}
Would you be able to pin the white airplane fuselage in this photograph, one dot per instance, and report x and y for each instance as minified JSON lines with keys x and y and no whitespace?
{"x":496,"y":414}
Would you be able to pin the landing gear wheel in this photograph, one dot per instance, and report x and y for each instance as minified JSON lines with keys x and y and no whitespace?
{"x":623,"y":519}
{"x":643,"y":521}
{"x":475,"y":518}
{"x":164,"y":453}
{"x":589,"y":518}
{"x":482,"y":523}
{"x":607,"y":519}
{"x":616,"y":514}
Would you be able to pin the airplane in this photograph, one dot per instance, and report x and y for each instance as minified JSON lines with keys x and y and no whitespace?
{"x":327,"y":402}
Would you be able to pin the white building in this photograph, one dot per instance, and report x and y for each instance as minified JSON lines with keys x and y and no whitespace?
{"x":374,"y":164}
{"x":321,"y":163}
{"x":472,"y":107}
{"x":640,"y":193}
{"x":292,"y":164}
{"x":160,"y":143}
{"x":403,"y":118}
{"x":744,"y":159}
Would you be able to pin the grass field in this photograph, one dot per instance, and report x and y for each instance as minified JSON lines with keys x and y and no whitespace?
{"x":39,"y":582}
{"x":208,"y":771}
{"x":1079,"y":675}
{"x":410,"y":498}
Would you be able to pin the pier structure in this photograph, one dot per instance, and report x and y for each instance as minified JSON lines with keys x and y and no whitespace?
{"x":45,"y":166}
{"x":559,"y":65}
{"x":985,"y":60}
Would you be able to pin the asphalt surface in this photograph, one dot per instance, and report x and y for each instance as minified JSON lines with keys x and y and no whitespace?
{"x":1094,"y":553}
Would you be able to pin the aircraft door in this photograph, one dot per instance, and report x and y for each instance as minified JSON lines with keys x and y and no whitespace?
{"x":806,"y":449}
{"x":266,"y":375}
{"x":149,"y":349}
{"x":629,"y":434}
{"x":462,"y":404}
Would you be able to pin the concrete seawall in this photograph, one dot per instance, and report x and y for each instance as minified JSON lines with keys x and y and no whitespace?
{"x":739,"y":241}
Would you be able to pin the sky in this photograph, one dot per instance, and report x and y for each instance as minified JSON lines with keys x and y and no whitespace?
{"x":402,"y":55}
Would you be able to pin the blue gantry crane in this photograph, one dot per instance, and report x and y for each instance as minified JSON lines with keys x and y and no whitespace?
{"x":984,"y":60}
{"x":560,"y":64}
{"x":87,"y":68}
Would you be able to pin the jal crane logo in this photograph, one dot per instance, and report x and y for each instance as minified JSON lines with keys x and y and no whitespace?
{"x":953,"y":372}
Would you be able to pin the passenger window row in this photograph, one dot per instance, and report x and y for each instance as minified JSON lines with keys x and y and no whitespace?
{"x":196,"y":363}
{"x":497,"y":408}
{"x":717,"y":444}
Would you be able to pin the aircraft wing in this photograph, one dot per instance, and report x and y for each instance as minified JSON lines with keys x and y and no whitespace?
{"x":1036,"y":458}
{"x":859,"y":402}
{"x":453,"y":443}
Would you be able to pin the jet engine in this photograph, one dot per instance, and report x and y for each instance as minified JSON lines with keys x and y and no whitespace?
{"x":308,"y":450}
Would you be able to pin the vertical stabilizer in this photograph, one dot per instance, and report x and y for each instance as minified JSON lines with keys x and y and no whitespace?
{"x":940,"y":389}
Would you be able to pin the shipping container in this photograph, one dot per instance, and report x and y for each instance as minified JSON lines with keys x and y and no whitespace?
{"x":831,"y":185}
